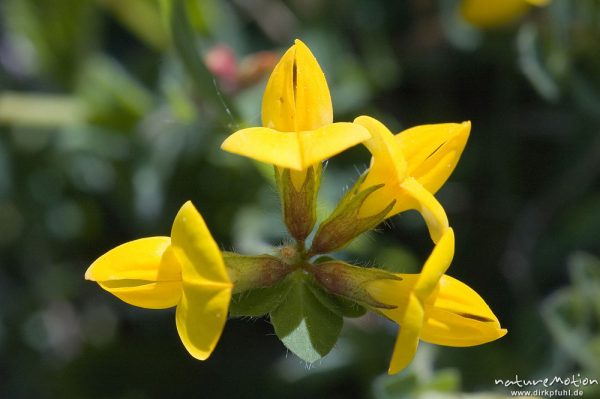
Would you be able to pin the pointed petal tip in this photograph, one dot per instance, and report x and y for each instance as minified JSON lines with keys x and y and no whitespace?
{"x":466,"y":127}
{"x":394,"y":370}
{"x":89,"y":273}
{"x":188,"y":205}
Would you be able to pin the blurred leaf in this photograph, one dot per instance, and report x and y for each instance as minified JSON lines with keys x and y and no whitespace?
{"x":43,"y":110}
{"x":141,"y":17}
{"x":447,"y":380}
{"x":113,"y":95}
{"x":532,"y":66}
{"x":304,"y":324}
{"x":572,"y":314}
{"x":411,"y":385}
{"x":397,"y":259}
{"x":399,"y":386}
{"x":61,"y":32}
{"x":185,"y":43}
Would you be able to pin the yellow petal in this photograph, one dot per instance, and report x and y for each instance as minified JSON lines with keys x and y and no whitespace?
{"x":450,"y":329}
{"x":202,"y":311}
{"x":393,"y":292}
{"x":297,"y":97}
{"x":457,"y":297}
{"x":456,"y":315}
{"x":388,"y":167}
{"x":321,"y":144}
{"x":492,"y":13}
{"x":161,"y":295}
{"x":407,"y":340}
{"x":388,"y":159}
{"x":198,"y":253}
{"x":142,"y":273}
{"x":432,"y":151}
{"x":436,"y":265}
{"x":201,"y":316}
{"x":424,"y":202}
{"x":293,"y":150}
{"x":266,"y":145}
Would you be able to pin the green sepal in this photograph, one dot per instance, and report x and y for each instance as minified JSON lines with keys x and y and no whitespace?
{"x":344,"y":224}
{"x":299,"y":207}
{"x":259,"y":301}
{"x":305,"y":325}
{"x":351,"y":282}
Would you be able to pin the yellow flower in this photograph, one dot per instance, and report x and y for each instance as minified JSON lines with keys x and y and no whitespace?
{"x":185,"y":270}
{"x":412,"y":166}
{"x":434,"y":307}
{"x":495,"y":13}
{"x":297,"y":117}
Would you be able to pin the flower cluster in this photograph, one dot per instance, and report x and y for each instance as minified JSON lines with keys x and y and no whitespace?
{"x":306,"y":294}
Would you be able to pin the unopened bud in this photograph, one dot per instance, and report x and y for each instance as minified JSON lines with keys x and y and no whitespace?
{"x":344,"y":224}
{"x":249,"y":272}
{"x":350,"y":281}
{"x":298,"y":191}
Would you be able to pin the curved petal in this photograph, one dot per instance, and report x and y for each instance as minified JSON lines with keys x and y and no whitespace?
{"x":407,"y":340}
{"x":143,"y":273}
{"x":388,"y":167}
{"x":457,"y":297}
{"x":435,"y":266}
{"x":293,"y":150}
{"x":423,"y":201}
{"x":202,"y":311}
{"x":393,"y":292}
{"x":279,"y":104}
{"x":388,"y":159}
{"x":135,"y":260}
{"x":458,"y":316}
{"x":266,"y":145}
{"x":200,"y":258}
{"x":161,"y":295}
{"x":327,"y":141}
{"x":201,"y":316}
{"x":450,"y":329}
{"x":313,"y":101}
{"x":297,"y":97}
{"x":432,"y":151}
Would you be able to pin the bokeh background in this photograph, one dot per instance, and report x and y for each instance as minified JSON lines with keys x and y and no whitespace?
{"x":111,"y":116}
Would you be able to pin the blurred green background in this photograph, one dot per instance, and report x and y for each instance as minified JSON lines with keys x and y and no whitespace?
{"x":111,"y":116}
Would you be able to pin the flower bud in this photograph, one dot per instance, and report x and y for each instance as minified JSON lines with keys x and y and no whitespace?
{"x":350,"y":282}
{"x":345,"y":224}
{"x":298,"y":192}
{"x":249,"y":272}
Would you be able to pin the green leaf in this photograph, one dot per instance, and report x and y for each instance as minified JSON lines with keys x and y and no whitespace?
{"x":410,"y":385}
{"x":304,"y":324}
{"x":341,"y":306}
{"x":446,"y":380}
{"x":260,"y":301}
{"x":398,"y":386}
